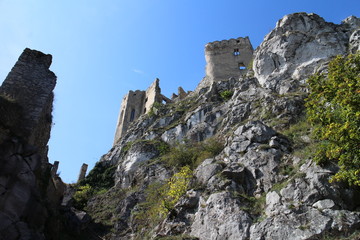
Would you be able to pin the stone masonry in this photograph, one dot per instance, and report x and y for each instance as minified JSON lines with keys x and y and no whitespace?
{"x":228,"y":58}
{"x":30,"y":85}
{"x":30,"y":189}
{"x":134,"y":104}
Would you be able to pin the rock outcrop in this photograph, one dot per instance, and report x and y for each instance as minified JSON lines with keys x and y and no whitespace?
{"x":263,"y":184}
{"x":298,"y":46}
{"x":29,"y":194}
{"x":245,"y":138}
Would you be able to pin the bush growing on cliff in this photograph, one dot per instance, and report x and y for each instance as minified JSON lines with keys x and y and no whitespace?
{"x":161,"y":198}
{"x":226,"y":95}
{"x":100,"y":177}
{"x":82,"y":196}
{"x":333,"y":108}
{"x":192,"y":153}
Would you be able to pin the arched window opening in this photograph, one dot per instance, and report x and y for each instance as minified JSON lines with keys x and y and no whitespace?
{"x":132,"y":115}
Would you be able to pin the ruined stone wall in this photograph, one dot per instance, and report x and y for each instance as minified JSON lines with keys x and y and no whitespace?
{"x":134,"y":104}
{"x":153,"y":94}
{"x":227,"y":58}
{"x":132,"y":107}
{"x":30,"y":85}
{"x":29,"y":194}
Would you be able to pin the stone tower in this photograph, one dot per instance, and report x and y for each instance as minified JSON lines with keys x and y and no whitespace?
{"x":30,"y":85}
{"x":228,"y":58}
{"x":134,"y":104}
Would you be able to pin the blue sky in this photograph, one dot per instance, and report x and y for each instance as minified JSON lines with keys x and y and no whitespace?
{"x":103,"y":49}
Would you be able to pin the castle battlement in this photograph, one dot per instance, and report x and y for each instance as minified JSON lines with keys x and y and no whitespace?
{"x":224,"y":44}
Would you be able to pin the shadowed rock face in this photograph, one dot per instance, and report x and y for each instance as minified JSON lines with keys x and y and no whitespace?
{"x":297,"y":47}
{"x":29,"y":195}
{"x":30,"y":85}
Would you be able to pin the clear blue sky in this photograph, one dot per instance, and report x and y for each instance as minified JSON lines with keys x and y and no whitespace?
{"x":104,"y":48}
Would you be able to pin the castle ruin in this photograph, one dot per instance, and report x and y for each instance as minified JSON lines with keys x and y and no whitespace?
{"x":136,"y":103}
{"x":228,"y":58}
{"x":29,"y":86}
{"x":224,"y":59}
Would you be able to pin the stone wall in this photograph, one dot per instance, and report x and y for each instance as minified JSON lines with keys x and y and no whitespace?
{"x":152,"y":94}
{"x":30,"y":85}
{"x":134,"y":104}
{"x":30,"y":191}
{"x":228,"y":58}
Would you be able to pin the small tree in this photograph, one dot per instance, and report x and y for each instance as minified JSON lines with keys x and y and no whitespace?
{"x":333,"y":108}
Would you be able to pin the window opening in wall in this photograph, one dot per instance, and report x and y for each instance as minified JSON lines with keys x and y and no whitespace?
{"x":144,"y":110}
{"x":132,"y":115}
{"x":146,"y":99}
{"x":236,"y":52}
{"x":122,"y":114}
{"x":241,"y":66}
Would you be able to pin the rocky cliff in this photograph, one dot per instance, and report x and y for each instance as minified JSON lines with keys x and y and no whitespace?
{"x":232,"y":160}
{"x":248,"y":145}
{"x":29,"y":194}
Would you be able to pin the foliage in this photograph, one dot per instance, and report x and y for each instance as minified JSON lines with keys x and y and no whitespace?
{"x":333,"y":109}
{"x":161,"y":198}
{"x":155,"y":108}
{"x":103,"y":206}
{"x":296,"y":133}
{"x":98,"y":181}
{"x":176,"y":187}
{"x":226,"y":95}
{"x":192,"y":153}
{"x":82,"y":195}
{"x":100,"y":177}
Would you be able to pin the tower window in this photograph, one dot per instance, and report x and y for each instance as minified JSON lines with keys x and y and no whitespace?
{"x":241,"y":66}
{"x":236,"y":52}
{"x":132,"y":115}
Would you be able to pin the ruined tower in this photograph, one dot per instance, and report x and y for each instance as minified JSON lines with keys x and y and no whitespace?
{"x":30,"y":86}
{"x":228,"y":58}
{"x":134,"y":104}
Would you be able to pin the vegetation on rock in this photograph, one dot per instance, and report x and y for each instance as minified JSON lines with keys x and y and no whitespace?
{"x":226,"y":95}
{"x":333,"y":109}
{"x":192,"y":153}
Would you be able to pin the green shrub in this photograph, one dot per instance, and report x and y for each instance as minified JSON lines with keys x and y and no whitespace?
{"x":176,"y":187}
{"x":333,"y":109}
{"x":82,"y":195}
{"x":192,"y":153}
{"x":155,"y":108}
{"x":100,"y":177}
{"x":161,"y":199}
{"x":226,"y":95}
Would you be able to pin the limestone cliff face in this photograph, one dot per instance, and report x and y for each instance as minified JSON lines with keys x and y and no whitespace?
{"x":29,"y":195}
{"x":298,"y":46}
{"x":263,"y":184}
